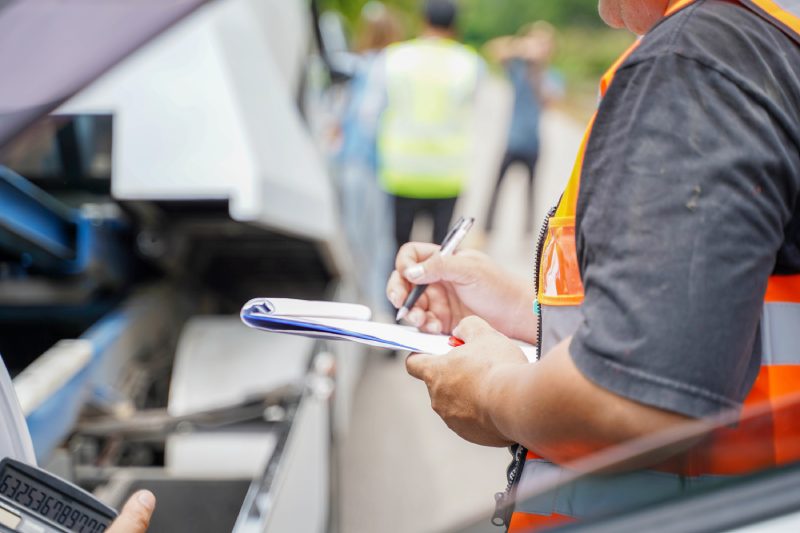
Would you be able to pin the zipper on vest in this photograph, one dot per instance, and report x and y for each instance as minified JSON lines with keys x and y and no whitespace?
{"x":537,"y":271}
{"x":504,"y":501}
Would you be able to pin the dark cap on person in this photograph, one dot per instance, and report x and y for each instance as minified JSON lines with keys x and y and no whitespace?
{"x":441,"y":13}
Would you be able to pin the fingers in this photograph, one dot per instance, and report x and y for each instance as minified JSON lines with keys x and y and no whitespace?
{"x":417,"y":317}
{"x":471,"y":328}
{"x":431,"y":313}
{"x":432,"y":324}
{"x":397,"y":290}
{"x":418,"y":365}
{"x":439,"y":306}
{"x":460,"y":269}
{"x":429,"y":271}
{"x":135,"y":516}
{"x":413,"y":253}
{"x":420,"y":264}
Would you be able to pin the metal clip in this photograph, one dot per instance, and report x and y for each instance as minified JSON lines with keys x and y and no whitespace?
{"x":500,"y":517}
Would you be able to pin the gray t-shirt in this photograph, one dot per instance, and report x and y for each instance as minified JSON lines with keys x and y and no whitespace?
{"x":688,"y":203}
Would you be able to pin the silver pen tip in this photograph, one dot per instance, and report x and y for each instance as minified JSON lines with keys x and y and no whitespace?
{"x":401,"y":314}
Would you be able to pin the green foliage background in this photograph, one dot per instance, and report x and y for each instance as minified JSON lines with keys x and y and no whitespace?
{"x":484,"y":19}
{"x":586,"y":46}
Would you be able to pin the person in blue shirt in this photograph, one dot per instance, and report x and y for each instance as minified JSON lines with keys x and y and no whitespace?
{"x":366,"y":208}
{"x":526,"y":59}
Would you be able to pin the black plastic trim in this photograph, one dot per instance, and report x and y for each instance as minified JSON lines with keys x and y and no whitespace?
{"x":738,"y":503}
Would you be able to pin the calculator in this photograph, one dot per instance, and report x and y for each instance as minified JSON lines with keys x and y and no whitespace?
{"x":35,"y":501}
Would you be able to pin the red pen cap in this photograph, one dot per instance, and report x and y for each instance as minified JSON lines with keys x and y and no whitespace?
{"x":455,"y":342}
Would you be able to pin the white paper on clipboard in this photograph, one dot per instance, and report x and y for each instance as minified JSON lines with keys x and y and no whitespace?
{"x":342,"y":321}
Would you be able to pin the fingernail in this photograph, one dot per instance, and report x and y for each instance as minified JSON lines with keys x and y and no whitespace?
{"x":416,"y":318}
{"x":393,"y":298}
{"x":435,"y":328}
{"x":414,"y":272}
{"x":147,"y":499}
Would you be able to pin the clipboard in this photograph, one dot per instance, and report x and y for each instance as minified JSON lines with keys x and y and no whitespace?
{"x":345,"y":322}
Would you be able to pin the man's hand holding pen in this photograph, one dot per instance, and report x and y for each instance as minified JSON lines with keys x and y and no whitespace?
{"x":460,"y":288}
{"x":451,"y":242}
{"x":460,"y":285}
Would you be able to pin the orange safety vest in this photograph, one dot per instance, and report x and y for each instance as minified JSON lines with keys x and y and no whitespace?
{"x":560,"y":293}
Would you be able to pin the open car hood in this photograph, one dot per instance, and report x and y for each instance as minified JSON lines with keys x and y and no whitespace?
{"x":52,"y":49}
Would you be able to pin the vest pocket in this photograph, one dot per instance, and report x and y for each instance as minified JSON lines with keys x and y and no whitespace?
{"x":559,"y":275}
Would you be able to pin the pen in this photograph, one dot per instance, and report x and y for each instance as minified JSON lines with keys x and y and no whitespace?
{"x":449,"y":245}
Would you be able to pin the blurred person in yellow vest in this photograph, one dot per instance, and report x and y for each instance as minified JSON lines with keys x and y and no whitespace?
{"x":667,"y":286}
{"x":425,"y":127}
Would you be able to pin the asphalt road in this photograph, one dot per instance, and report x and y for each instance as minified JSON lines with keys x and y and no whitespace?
{"x":402,"y":468}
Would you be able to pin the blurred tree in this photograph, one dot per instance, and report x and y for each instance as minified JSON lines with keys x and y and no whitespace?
{"x":586,"y":46}
{"x":484,"y":19}
{"x":351,"y":9}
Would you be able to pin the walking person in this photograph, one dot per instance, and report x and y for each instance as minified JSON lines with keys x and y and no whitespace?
{"x":425,"y":127}
{"x":526,"y":60}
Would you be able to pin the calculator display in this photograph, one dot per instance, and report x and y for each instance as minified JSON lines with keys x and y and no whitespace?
{"x":47,"y":502}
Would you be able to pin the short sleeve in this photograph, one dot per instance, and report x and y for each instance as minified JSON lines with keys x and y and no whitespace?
{"x":687,"y":185}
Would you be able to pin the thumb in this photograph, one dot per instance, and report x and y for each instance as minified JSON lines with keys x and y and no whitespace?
{"x":418,"y":365}
{"x":472,"y":327}
{"x":135,"y":516}
{"x":453,"y":268}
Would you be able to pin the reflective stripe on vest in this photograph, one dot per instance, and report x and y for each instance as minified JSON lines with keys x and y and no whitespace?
{"x":769,"y":441}
{"x":424,"y":138}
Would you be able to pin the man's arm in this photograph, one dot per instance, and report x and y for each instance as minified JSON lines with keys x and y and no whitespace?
{"x":488,"y":393}
{"x":566,"y":416}
{"x":501,"y":49}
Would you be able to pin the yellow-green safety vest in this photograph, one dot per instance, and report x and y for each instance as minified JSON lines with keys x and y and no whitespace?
{"x":425,"y":135}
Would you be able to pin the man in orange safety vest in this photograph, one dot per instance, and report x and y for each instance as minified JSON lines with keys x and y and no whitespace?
{"x":667,"y":283}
